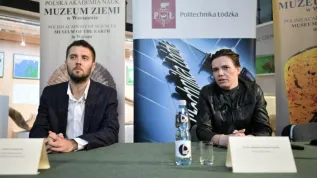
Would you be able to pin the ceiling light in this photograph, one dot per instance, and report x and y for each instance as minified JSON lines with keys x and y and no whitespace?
{"x":131,"y":56}
{"x":23,"y":41}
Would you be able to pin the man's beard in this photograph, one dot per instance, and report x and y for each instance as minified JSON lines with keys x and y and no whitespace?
{"x":77,"y":79}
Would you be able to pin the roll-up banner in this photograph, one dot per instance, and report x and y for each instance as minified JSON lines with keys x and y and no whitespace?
{"x":295,"y":50}
{"x":99,"y":22}
{"x":172,"y":41}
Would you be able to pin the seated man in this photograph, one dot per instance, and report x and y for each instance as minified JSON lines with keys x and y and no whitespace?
{"x":78,"y":114}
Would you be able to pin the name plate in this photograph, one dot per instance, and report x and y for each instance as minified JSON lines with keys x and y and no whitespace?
{"x":22,"y":156}
{"x":260,"y":155}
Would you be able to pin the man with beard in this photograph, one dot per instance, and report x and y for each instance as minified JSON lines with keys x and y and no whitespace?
{"x":78,"y":114}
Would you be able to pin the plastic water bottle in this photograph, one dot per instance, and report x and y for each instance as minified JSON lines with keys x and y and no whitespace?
{"x":183,"y":152}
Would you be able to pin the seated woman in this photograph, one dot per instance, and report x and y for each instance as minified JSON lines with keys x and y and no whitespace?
{"x":232,"y":105}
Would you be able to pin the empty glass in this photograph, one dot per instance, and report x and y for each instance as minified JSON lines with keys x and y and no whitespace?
{"x":206,"y":153}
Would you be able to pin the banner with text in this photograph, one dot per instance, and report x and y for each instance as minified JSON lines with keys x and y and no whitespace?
{"x":295,"y":43}
{"x":102,"y":24}
{"x":173,"y":40}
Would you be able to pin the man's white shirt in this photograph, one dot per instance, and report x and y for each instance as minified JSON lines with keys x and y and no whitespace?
{"x":75,"y":117}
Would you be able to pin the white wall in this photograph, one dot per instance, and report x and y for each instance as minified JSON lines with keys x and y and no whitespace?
{"x":265,"y":46}
{"x":267,"y":83}
{"x":129,"y":107}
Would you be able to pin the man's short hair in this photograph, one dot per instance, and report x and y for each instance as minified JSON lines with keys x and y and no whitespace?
{"x":82,"y":43}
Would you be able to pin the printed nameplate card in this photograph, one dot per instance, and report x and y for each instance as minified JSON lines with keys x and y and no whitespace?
{"x":260,"y":155}
{"x":22,"y":156}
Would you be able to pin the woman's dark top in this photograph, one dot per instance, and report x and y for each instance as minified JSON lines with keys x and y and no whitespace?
{"x":223,"y":111}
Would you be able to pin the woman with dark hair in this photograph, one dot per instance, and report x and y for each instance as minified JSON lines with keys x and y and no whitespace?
{"x":232,"y":105}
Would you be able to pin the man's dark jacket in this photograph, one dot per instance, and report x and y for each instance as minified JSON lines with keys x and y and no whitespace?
{"x":101,"y":124}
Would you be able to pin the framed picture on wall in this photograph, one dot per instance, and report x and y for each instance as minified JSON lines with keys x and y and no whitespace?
{"x":129,"y":75}
{"x":1,"y":64}
{"x":26,"y":66}
{"x":265,"y":65}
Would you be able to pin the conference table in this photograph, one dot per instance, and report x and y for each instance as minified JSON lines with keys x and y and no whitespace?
{"x":155,"y":160}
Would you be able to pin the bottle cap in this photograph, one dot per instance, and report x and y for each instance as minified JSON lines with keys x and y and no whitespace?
{"x":182,"y":102}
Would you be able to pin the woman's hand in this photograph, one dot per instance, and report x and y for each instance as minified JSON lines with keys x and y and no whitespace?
{"x":238,"y":132}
